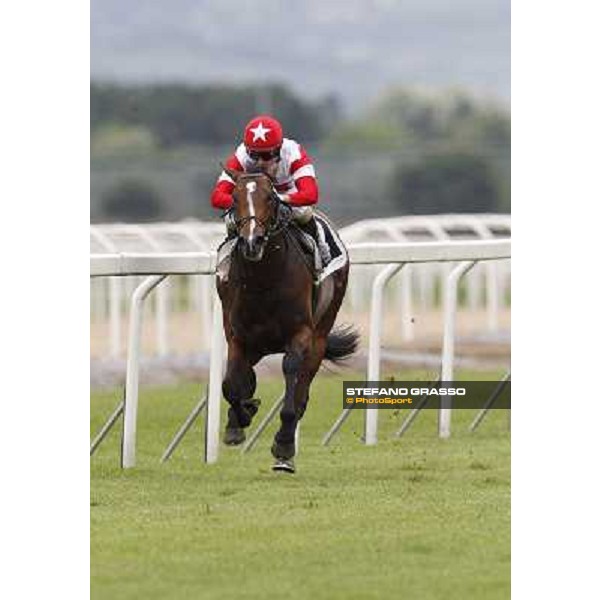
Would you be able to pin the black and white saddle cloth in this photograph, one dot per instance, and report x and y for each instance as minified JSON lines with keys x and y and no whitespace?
{"x":338,"y":256}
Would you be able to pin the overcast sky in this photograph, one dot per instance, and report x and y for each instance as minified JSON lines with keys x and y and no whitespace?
{"x":353,"y":48}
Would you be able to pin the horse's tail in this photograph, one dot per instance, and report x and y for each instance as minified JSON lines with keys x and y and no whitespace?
{"x":342,"y":342}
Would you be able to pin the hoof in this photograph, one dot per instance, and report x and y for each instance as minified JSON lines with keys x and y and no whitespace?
{"x":284,"y":466}
{"x":234,"y":436}
{"x":283,"y":451}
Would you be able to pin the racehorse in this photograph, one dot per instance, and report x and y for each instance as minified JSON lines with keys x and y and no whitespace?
{"x":271,"y":305}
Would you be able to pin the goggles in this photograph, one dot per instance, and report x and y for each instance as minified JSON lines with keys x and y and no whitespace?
{"x":264,"y":155}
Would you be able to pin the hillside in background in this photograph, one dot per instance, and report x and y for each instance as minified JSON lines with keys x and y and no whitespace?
{"x":354,"y":49}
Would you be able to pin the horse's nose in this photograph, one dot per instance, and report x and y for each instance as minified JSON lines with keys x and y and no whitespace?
{"x":254,"y":246}
{"x":255,"y":243}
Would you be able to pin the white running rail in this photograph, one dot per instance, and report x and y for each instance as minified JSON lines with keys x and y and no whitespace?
{"x":487,"y":285}
{"x":393,"y":255}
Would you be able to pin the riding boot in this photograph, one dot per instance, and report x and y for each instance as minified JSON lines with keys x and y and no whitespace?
{"x":230,"y":226}
{"x":225,"y":248}
{"x":315,"y":230}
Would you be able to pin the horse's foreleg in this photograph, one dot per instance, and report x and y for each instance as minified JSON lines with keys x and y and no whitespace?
{"x":309,"y":369}
{"x":300,"y":364}
{"x":239,"y":386}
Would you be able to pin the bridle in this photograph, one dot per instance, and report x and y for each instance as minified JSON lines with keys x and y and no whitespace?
{"x":275,"y":222}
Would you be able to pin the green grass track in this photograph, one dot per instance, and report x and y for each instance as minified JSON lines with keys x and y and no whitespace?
{"x":417,"y":517}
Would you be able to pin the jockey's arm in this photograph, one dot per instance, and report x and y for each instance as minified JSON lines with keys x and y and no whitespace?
{"x":303,"y":173}
{"x":221,"y":195}
{"x":307,"y":194}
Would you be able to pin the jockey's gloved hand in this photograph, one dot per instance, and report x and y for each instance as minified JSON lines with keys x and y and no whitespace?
{"x":285,"y":203}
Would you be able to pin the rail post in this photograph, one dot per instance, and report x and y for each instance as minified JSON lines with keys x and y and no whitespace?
{"x":450,"y":302}
{"x":133,"y":369}
{"x":215,"y":380}
{"x":374,"y":361}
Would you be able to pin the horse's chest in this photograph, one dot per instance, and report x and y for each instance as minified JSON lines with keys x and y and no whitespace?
{"x":263,"y":331}
{"x":260,"y":321}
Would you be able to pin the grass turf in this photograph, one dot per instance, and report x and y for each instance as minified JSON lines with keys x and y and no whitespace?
{"x":416,"y":517}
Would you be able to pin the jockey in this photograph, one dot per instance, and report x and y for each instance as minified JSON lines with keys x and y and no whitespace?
{"x":265,"y":149}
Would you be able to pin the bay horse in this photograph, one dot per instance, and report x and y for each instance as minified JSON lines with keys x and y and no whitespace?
{"x":271,"y":305}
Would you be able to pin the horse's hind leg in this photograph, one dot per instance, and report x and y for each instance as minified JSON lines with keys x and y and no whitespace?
{"x":239,"y":386}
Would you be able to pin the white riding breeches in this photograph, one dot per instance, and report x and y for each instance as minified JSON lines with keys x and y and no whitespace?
{"x":302,"y":214}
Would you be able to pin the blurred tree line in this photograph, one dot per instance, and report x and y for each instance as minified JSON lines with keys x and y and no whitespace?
{"x":181,"y":114}
{"x":453,"y":149}
{"x":448,"y":151}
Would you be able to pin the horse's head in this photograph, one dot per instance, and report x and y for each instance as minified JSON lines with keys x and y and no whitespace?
{"x":255,"y":210}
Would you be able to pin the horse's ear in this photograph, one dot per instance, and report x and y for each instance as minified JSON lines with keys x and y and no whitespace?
{"x":231,"y":172}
